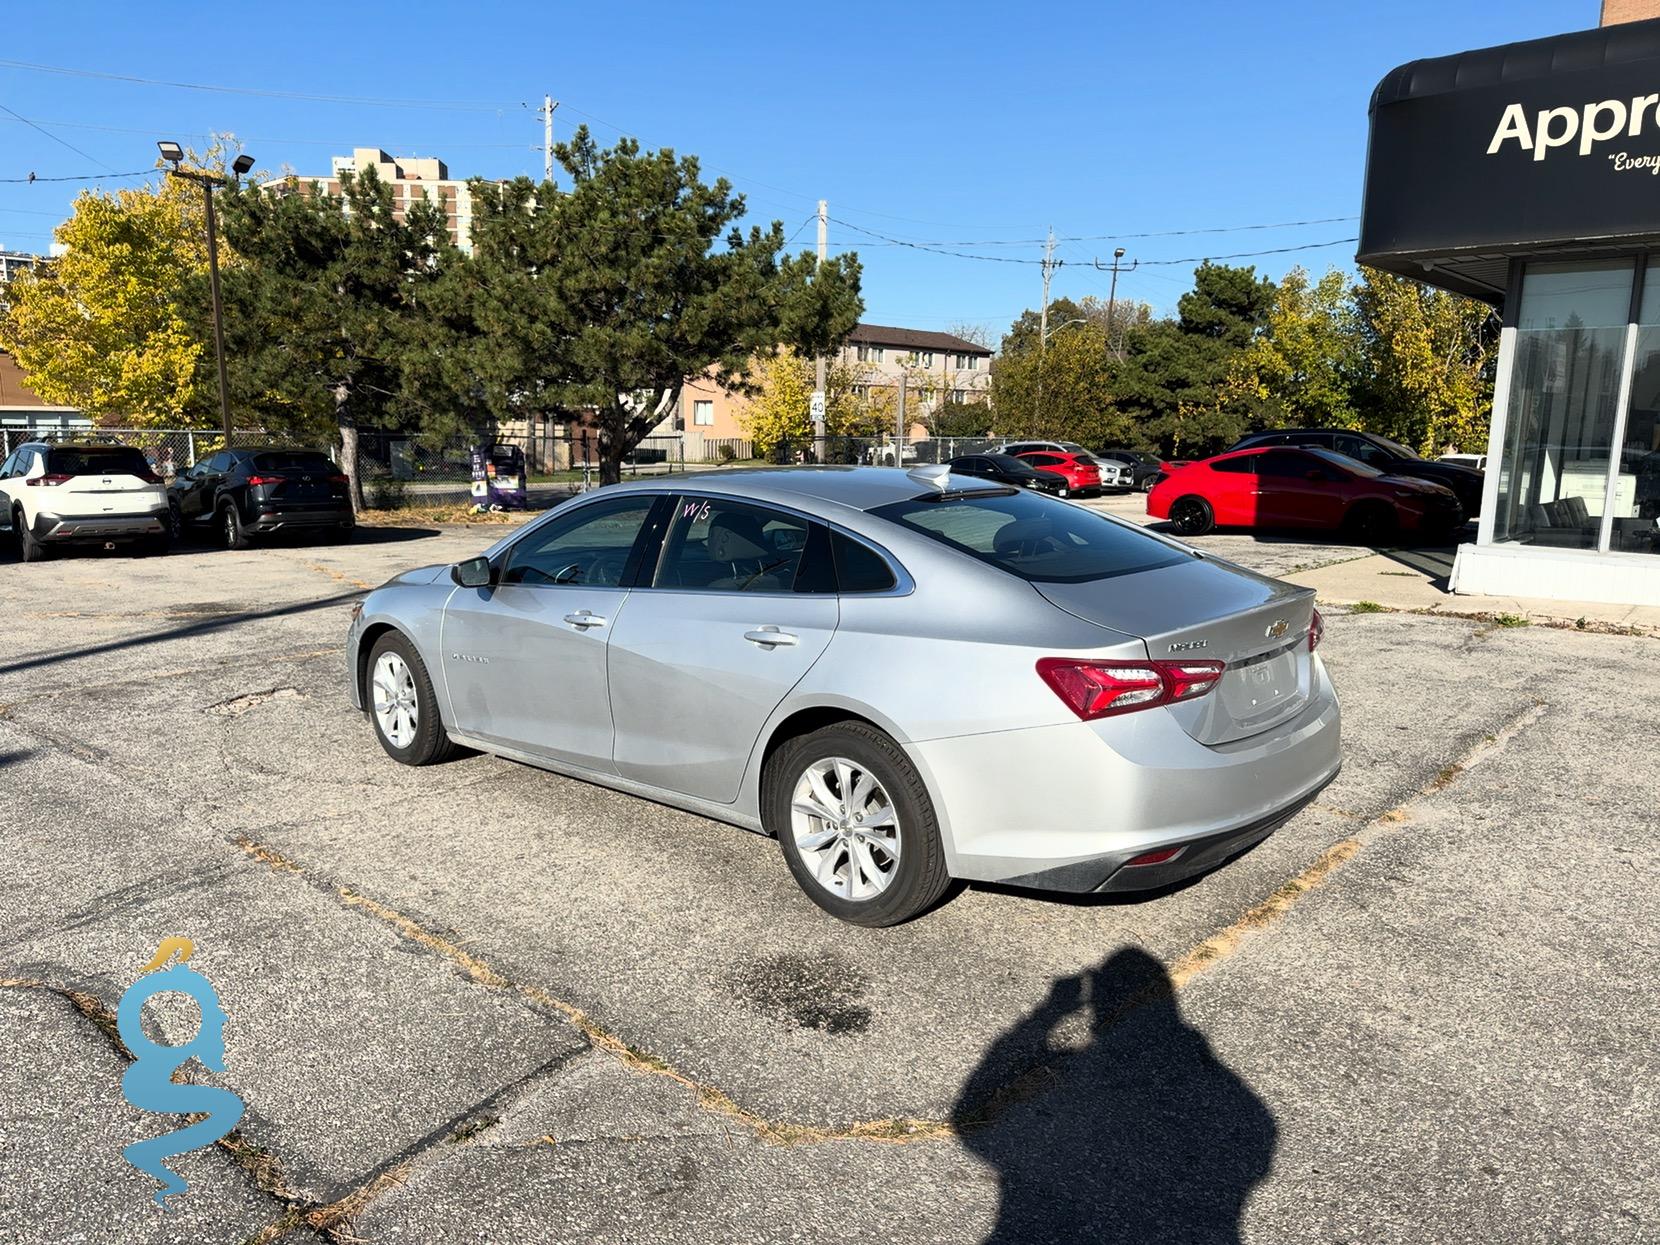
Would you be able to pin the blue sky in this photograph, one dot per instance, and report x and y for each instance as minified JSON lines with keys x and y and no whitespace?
{"x":965,"y":124}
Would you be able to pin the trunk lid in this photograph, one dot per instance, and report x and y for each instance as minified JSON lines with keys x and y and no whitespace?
{"x":1204,"y":610}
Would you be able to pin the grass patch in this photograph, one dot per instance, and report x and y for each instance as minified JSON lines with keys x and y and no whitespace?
{"x":1401,"y":574}
{"x":458,"y":512}
{"x":1509,"y":620}
{"x":1366,"y":607}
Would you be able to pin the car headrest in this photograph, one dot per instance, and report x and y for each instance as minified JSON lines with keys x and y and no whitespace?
{"x":1020,"y":534}
{"x":737,"y":538}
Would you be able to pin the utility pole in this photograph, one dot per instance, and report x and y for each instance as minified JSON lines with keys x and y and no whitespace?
{"x":209,"y":182}
{"x":548,"y":105}
{"x":1112,"y":293}
{"x":818,"y":371}
{"x":1043,"y":322}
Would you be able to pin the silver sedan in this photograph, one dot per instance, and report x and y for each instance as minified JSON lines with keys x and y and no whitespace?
{"x":906,"y":677}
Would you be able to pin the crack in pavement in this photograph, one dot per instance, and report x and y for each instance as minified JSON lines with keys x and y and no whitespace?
{"x":1205,"y":956}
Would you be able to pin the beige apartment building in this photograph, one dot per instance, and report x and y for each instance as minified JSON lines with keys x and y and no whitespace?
{"x":412,"y":178}
{"x":925,"y":365}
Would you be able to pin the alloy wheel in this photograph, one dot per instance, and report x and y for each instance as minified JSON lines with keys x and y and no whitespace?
{"x":845,"y":828}
{"x":397,"y":708}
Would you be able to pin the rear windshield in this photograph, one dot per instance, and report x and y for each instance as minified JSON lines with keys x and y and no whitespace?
{"x":308,"y":462}
{"x":1033,"y":537}
{"x":96,"y":460}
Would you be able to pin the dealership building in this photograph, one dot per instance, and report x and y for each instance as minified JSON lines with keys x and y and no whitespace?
{"x":1528,"y":176}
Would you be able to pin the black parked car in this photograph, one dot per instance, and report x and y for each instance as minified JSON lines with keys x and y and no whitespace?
{"x":1144,"y":468}
{"x":1379,"y":453}
{"x":1007,"y":469}
{"x":247,"y":492}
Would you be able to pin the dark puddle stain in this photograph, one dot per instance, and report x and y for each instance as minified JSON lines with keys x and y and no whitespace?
{"x":817,"y":992}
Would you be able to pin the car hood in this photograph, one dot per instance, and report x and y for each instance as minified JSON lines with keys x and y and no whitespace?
{"x":1415,"y":484}
{"x":420,"y":575}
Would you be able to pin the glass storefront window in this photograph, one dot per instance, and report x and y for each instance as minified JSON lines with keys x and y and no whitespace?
{"x":1636,"y":527}
{"x":1564,"y":397}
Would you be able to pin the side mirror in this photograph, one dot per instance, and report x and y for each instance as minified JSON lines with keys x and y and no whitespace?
{"x":474,"y":573}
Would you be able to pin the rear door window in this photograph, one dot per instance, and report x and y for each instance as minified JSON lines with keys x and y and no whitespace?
{"x":859,"y":568}
{"x":1035,"y":538}
{"x":1245,"y":464}
{"x":717,"y":545}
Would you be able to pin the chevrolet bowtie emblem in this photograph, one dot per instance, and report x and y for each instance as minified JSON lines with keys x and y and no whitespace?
{"x":1277,"y":628}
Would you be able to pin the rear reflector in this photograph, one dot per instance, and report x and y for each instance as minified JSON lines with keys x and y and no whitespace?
{"x":1101,"y":689}
{"x":1162,"y":856}
{"x":53,"y":481}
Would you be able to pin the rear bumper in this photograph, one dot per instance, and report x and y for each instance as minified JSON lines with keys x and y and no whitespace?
{"x":68,"y":528}
{"x":1066,"y":807}
{"x":278,"y":520}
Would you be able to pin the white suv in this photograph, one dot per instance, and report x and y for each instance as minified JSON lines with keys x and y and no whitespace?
{"x":60,"y":494}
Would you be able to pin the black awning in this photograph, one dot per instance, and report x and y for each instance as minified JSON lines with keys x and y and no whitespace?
{"x":1546,"y":147}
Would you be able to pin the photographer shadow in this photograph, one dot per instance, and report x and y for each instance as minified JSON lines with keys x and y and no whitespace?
{"x":1125,"y":1128}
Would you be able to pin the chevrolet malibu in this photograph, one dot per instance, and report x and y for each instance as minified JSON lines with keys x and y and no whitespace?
{"x":855,"y":660}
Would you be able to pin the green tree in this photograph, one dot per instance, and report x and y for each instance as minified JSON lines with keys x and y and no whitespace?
{"x":1064,"y":392}
{"x":1174,"y":372}
{"x":109,"y":325}
{"x":1429,"y":359}
{"x":330,"y":307}
{"x":958,"y":419}
{"x":636,"y":278}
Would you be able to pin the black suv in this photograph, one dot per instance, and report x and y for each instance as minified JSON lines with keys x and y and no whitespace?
{"x":1145,"y":468}
{"x":247,"y":492}
{"x":1380,"y":453}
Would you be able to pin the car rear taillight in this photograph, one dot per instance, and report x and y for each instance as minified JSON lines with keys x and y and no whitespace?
{"x":1316,"y":630}
{"x":149,"y":477}
{"x":339,"y":479}
{"x":52,"y":481}
{"x":1101,"y":689}
{"x":266,"y":480}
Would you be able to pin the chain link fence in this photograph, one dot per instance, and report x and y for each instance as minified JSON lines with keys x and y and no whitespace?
{"x":167,"y":450}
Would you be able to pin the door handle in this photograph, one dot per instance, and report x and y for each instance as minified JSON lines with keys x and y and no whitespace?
{"x":585,"y":618}
{"x":770,"y":637}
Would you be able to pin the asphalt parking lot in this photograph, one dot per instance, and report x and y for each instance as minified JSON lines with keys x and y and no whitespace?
{"x":480,"y":1002}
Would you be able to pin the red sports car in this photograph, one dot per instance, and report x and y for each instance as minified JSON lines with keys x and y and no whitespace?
{"x":1309,"y":488}
{"x":1080,"y":471}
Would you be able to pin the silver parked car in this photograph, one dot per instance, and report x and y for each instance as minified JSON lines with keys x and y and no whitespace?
{"x":905,"y":676}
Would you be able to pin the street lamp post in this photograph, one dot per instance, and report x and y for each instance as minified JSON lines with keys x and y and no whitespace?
{"x":1112,"y":290}
{"x":173,"y":154}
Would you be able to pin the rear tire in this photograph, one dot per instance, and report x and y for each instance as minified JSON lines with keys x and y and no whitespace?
{"x":903,"y":879}
{"x":1191,"y":516}
{"x":175,"y":521}
{"x":402,"y":705}
{"x":155,"y":546}
{"x":1146,"y":485}
{"x":29,"y":547}
{"x":231,"y":529}
{"x":1370,"y":523}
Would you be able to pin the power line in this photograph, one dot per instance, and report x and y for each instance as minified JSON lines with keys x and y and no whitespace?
{"x":261,"y":138}
{"x":1278,"y":250}
{"x":438,"y":105}
{"x":78,"y":177}
{"x":1118,"y":237}
{"x":60,"y":141}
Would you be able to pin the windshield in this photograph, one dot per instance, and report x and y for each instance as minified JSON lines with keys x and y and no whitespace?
{"x":1352,"y":465}
{"x":1033,"y":537}
{"x":1010,"y":465}
{"x":1393,"y":447}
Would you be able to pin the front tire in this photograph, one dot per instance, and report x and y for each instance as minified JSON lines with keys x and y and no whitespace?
{"x":1370,"y":523}
{"x":1191,"y":516}
{"x":403,"y":706}
{"x":855,"y":824}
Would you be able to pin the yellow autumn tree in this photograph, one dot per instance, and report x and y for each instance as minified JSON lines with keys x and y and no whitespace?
{"x":781,"y":409}
{"x":1429,"y":358}
{"x":110,"y":325}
